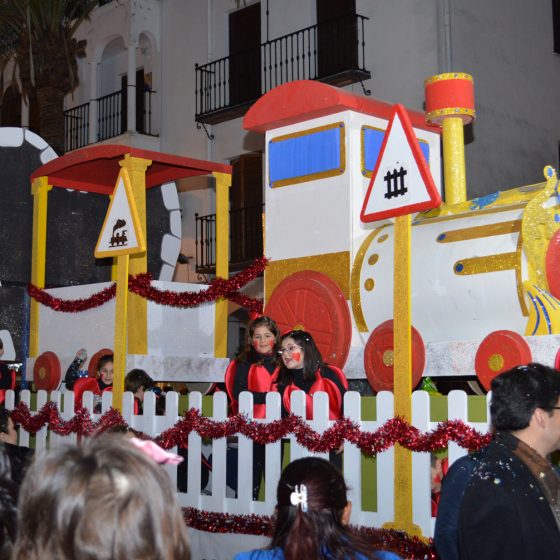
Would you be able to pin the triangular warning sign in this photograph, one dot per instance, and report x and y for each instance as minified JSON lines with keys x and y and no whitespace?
{"x":401,"y":182}
{"x":121,"y":233}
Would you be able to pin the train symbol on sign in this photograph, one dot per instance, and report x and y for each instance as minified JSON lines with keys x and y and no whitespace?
{"x":119,"y":238}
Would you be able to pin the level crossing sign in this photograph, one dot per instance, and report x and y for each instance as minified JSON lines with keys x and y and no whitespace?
{"x":401,"y":182}
{"x":121,"y":233}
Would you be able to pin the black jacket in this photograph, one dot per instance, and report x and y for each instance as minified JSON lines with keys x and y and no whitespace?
{"x":504,"y":514}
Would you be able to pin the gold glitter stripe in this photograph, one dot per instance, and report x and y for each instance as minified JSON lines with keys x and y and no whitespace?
{"x":335,"y":265}
{"x":518,"y":279}
{"x":355,"y":295}
{"x":482,"y":265}
{"x":423,"y":219}
{"x":478,"y":232}
{"x":322,"y":174}
{"x":448,"y":76}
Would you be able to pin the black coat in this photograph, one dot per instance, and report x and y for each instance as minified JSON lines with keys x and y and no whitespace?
{"x":504,"y":514}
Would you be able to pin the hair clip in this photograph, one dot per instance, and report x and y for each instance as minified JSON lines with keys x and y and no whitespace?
{"x":299,"y":497}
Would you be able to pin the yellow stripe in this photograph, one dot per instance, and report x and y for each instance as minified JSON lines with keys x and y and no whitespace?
{"x":482,"y":265}
{"x":478,"y":232}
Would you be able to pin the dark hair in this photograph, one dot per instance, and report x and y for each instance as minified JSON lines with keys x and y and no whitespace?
{"x":1,"y":344}
{"x":105,"y":499}
{"x":518,"y":392}
{"x":312,"y":359}
{"x":8,"y":511}
{"x":137,"y":378}
{"x":319,"y":532}
{"x":249,"y":354}
{"x":4,"y":419}
{"x":104,"y":360}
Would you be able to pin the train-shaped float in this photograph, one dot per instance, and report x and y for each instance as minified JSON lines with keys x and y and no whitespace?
{"x":484,"y":272}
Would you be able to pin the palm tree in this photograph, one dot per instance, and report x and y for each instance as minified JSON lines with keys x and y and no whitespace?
{"x":45,"y":55}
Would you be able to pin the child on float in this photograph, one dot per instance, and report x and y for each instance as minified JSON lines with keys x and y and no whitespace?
{"x":103,"y":381}
{"x":254,"y":370}
{"x":256,"y":366}
{"x":311,"y":519}
{"x":138,"y":382}
{"x":303,"y":369}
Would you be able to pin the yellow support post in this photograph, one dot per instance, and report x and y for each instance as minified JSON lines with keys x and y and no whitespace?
{"x":39,"y":189}
{"x":223,"y":182}
{"x":120,"y":349}
{"x":137,"y":306}
{"x":403,"y":375}
{"x":454,"y":170}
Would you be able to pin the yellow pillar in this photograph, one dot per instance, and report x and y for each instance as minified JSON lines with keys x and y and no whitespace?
{"x":137,"y":305}
{"x":454,"y":170}
{"x":403,"y":375}
{"x":39,"y":189}
{"x":223,"y":182}
{"x":120,"y":350}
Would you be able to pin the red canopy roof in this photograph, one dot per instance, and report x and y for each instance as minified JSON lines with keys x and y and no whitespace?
{"x":96,"y":168}
{"x":302,"y":100}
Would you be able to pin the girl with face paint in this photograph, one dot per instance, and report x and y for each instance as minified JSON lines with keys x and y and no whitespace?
{"x":255,"y":370}
{"x":303,"y":369}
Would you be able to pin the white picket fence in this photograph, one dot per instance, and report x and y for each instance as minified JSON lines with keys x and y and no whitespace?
{"x":219,"y":499}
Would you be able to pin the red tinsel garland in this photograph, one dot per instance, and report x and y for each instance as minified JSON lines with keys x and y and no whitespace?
{"x":392,"y":432}
{"x":262,"y":525}
{"x":72,"y":305}
{"x":140,"y":284}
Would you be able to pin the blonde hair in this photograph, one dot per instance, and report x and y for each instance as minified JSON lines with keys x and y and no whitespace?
{"x":105,"y":500}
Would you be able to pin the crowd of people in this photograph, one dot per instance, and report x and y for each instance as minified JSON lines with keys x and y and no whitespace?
{"x":109,"y":499}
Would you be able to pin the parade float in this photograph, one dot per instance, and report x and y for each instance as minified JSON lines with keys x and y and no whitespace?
{"x":359,"y":251}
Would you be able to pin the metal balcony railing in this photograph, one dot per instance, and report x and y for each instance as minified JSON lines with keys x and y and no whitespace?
{"x":76,"y":127}
{"x":245,"y":240}
{"x":332,"y":52}
{"x":111,"y":119}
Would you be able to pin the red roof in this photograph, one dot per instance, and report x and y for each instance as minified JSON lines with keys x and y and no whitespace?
{"x":307,"y":99}
{"x":96,"y":168}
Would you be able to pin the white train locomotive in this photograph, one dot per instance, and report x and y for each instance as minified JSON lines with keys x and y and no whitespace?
{"x":484,"y":272}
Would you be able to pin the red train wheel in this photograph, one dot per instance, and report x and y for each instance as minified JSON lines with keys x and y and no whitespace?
{"x":311,"y":301}
{"x":553,"y":265}
{"x":92,"y":366}
{"x":498,"y":352}
{"x":46,"y":372}
{"x":378,"y":357}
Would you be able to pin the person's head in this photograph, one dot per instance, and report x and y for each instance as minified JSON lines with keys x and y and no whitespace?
{"x":105,"y":369}
{"x":298,"y":350}
{"x":105,"y":499}
{"x":137,"y":381}
{"x":436,"y":472}
{"x":8,"y":432}
{"x":525,"y":399}
{"x":263,"y":335}
{"x":313,"y":511}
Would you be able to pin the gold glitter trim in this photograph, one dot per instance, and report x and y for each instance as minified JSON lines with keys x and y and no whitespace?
{"x":538,"y":227}
{"x":478,"y":232}
{"x":335,"y":265}
{"x":435,"y":116}
{"x":355,"y":289}
{"x":388,"y":358}
{"x":314,"y":176}
{"x":448,"y":76}
{"x":519,"y":279}
{"x":482,"y":265}
{"x":369,"y":172}
{"x":463,"y":213}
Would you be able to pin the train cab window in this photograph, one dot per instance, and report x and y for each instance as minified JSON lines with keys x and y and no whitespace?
{"x":307,"y":155}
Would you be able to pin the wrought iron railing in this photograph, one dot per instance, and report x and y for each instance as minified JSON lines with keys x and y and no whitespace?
{"x":245,"y":240}
{"x":333,"y":52}
{"x":111,"y":119}
{"x":76,"y":127}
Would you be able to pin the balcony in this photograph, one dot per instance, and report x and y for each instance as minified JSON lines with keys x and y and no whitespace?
{"x":245,"y":239}
{"x":332,"y":52}
{"x":111,"y":119}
